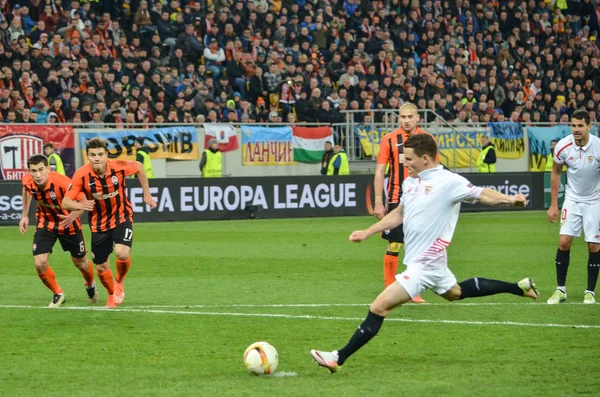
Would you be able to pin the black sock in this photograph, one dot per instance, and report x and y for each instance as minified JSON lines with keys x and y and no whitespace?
{"x":365,"y":332}
{"x":593,"y":268}
{"x":562,"y":265}
{"x":477,"y":287}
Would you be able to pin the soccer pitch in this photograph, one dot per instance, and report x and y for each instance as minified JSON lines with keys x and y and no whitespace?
{"x":199,"y":293}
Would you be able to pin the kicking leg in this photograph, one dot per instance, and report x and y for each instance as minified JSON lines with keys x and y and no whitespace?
{"x":478,"y":287}
{"x":392,"y":297}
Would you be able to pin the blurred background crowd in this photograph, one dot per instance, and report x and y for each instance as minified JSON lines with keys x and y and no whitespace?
{"x":131,"y":61}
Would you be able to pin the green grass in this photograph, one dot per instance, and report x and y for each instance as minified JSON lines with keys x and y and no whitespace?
{"x":185,"y":350}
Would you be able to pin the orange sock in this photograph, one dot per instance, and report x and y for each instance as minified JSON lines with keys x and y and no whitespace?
{"x":390,"y":268}
{"x":88,"y":274}
{"x":106,"y":278}
{"x":122,"y":268}
{"x":49,"y":280}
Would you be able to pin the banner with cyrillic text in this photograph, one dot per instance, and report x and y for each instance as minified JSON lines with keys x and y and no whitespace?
{"x":508,"y":139}
{"x":459,"y":150}
{"x":267,"y":146}
{"x":19,"y":142}
{"x":176,"y":143}
{"x":540,"y":139}
{"x":370,"y":138}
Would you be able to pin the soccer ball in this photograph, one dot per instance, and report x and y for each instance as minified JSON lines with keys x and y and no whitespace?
{"x":261,"y":358}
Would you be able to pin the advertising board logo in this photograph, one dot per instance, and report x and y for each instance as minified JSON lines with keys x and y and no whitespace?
{"x":14,"y":152}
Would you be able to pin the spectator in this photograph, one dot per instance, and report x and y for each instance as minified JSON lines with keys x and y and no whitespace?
{"x":327,"y":156}
{"x":486,"y":162}
{"x":338,"y":165}
{"x":54,"y":160}
{"x":211,"y":162}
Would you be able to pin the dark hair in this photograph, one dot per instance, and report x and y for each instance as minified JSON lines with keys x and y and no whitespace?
{"x":329,"y":142}
{"x":96,"y":143}
{"x":36,"y":159}
{"x":581,"y":115}
{"x":51,"y":146}
{"x":422,"y":144}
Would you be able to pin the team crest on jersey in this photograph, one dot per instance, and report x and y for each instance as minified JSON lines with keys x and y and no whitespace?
{"x":53,"y":195}
{"x":428,"y":189}
{"x":590,"y":159}
{"x":114,"y":180}
{"x":14,"y":152}
{"x":571,"y":158}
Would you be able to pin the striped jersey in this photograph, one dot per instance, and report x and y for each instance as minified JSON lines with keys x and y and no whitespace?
{"x":49,"y":199}
{"x":112,"y":206}
{"x":431,"y":208}
{"x":391,"y":151}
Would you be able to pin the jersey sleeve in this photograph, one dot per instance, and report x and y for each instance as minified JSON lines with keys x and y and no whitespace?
{"x":384,"y":152}
{"x":64,"y":182}
{"x":75,"y":188}
{"x":463,"y":190}
{"x":560,"y":156}
{"x":130,"y":167}
{"x":27,"y":179}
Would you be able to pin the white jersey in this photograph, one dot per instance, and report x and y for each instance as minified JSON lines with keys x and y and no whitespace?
{"x":431,"y":208}
{"x":583,"y":168}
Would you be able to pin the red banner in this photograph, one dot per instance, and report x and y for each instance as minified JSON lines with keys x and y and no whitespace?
{"x":19,"y":142}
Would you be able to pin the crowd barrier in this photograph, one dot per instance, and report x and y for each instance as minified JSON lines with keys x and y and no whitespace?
{"x":196,"y":199}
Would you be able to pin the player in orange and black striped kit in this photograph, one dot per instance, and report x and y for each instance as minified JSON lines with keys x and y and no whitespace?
{"x":54,"y":222}
{"x":111,"y":215}
{"x":391,"y":153}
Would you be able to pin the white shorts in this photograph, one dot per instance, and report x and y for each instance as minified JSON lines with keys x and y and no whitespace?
{"x":576,"y":216}
{"x":415,"y":280}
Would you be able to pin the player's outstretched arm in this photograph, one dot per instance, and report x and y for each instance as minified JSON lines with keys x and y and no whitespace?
{"x":145,"y":186}
{"x":390,"y":221}
{"x":493,"y":198}
{"x":24,"y":222}
{"x":72,"y":205}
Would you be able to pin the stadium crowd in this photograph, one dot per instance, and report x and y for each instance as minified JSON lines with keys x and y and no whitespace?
{"x":130,"y":61}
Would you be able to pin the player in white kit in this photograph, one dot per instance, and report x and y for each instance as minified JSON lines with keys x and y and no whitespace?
{"x":429,"y":209}
{"x":580,"y":152}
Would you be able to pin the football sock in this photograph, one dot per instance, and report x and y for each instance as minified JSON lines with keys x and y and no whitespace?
{"x":562,"y":265}
{"x":477,"y":287}
{"x":122,"y":268}
{"x":49,"y":279}
{"x":88,"y":274}
{"x":106,"y":278}
{"x":593,"y":268}
{"x":365,"y":332}
{"x":390,"y":267}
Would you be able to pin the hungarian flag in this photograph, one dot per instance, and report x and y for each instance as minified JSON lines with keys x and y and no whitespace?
{"x":224,"y":134}
{"x":309,"y":143}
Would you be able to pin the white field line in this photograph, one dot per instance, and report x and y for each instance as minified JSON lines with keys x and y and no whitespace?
{"x":308,"y":317}
{"x":291,"y":305}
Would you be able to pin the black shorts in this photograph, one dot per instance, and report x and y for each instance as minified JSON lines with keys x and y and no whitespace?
{"x":103,"y":242}
{"x":395,"y":235}
{"x":44,"y":240}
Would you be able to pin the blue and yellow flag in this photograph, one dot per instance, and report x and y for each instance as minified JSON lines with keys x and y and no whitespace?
{"x":539,"y":144}
{"x":508,"y":139}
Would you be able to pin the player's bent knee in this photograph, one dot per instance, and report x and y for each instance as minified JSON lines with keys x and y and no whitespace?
{"x":80,"y":263}
{"x":564,"y":243}
{"x":122,"y":252}
{"x":453,"y":294}
{"x":41,"y":263}
{"x":102,"y":267}
{"x":593,"y":247}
